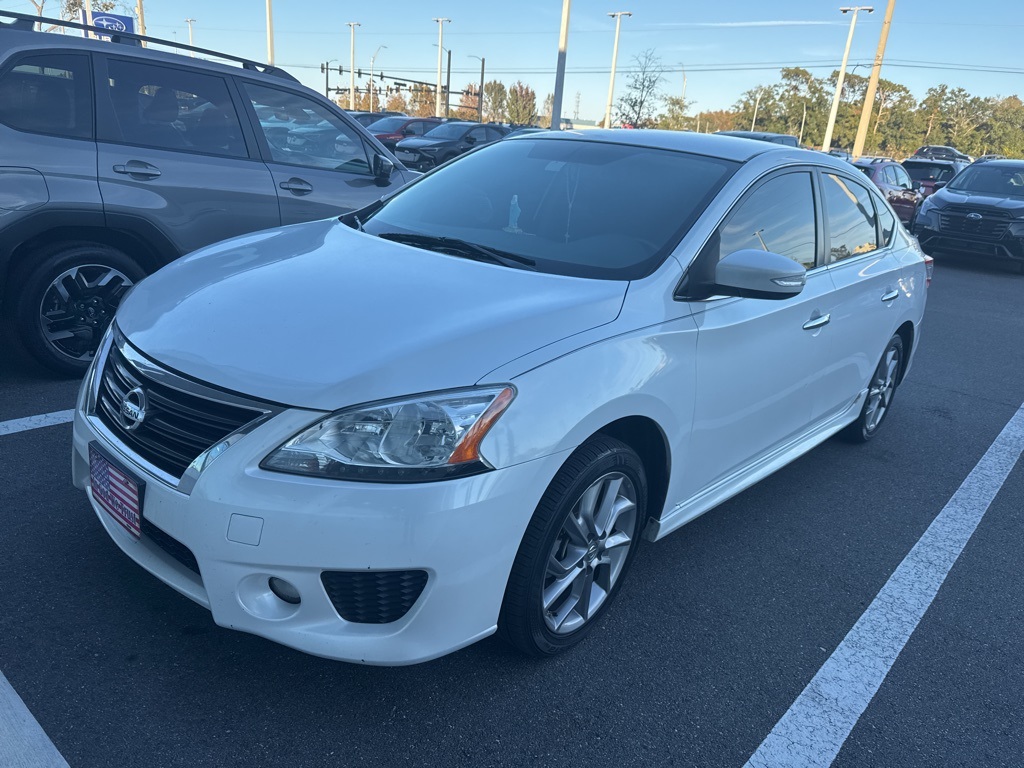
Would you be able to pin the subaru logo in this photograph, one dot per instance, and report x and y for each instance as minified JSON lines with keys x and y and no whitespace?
{"x":109,"y":22}
{"x":974,"y":217}
{"x":133,"y":409}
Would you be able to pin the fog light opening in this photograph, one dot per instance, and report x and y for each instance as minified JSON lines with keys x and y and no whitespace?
{"x":284,"y":590}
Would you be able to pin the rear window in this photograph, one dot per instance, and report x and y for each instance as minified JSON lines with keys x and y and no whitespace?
{"x":580,"y":208}
{"x":387,"y":125}
{"x":48,"y":94}
{"x":929,"y":171}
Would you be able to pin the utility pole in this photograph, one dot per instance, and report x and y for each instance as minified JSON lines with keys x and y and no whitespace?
{"x":326,"y":69}
{"x":684,"y":85}
{"x":370,"y":87}
{"x":88,"y":15}
{"x":615,"y":56}
{"x":448,"y":86}
{"x":270,"y":33}
{"x":440,"y":50}
{"x":826,"y":145}
{"x":757,"y":104}
{"x":480,"y":100}
{"x":803,"y":121}
{"x":142,"y":19}
{"x":876,"y":70}
{"x":563,"y":42}
{"x":352,"y":65}
{"x":190,"y":22}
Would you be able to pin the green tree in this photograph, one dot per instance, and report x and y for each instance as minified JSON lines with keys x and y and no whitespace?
{"x":674,"y":117}
{"x":495,"y":98}
{"x":636,"y":106}
{"x":521,"y":106}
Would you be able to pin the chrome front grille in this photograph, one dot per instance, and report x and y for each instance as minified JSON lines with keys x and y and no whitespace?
{"x":178,"y":426}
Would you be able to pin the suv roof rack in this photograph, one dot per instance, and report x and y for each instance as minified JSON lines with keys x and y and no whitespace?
{"x":26,"y":23}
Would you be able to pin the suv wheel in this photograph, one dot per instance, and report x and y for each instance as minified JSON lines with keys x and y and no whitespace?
{"x":67,"y":300}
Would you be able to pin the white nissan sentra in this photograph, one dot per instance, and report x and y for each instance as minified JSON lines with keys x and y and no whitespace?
{"x":458,"y":411}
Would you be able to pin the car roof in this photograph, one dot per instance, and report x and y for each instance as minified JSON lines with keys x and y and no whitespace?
{"x":709,"y":144}
{"x":930,"y":161}
{"x":1005,"y":163}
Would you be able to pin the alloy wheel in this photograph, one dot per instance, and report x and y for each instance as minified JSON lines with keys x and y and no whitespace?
{"x":883,"y":385}
{"x":77,"y":307}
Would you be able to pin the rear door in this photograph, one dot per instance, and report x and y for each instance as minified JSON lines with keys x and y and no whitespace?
{"x":321,"y":164}
{"x":172,"y":151}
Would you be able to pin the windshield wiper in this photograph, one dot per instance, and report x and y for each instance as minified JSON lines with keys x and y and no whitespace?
{"x":456,"y":247}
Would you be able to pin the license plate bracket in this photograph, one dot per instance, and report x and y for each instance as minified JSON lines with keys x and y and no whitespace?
{"x":118,"y":492}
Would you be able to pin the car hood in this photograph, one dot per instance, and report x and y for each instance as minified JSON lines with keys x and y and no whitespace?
{"x":1012,"y":205}
{"x":420,"y":142}
{"x":321,"y":316}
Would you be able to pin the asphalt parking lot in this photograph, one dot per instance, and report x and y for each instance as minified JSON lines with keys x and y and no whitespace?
{"x":716,"y":633}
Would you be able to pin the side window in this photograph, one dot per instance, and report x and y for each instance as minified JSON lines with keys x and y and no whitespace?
{"x":493,"y":134}
{"x":778,"y":216}
{"x":169,"y":108}
{"x":301,"y":131}
{"x":49,"y":93}
{"x":851,"y":218}
{"x":478,"y":134}
{"x":890,"y":176}
{"x":888,"y":222}
{"x":902,"y":179}
{"x":417,"y":128}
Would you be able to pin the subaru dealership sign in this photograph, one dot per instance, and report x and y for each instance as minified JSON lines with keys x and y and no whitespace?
{"x":112,"y":21}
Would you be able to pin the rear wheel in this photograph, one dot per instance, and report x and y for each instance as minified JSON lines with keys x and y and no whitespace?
{"x":881,"y":391}
{"x":67,"y":300}
{"x":577,"y":549}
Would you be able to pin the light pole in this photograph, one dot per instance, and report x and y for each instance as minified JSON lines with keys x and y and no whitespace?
{"x":615,"y":55}
{"x":440,"y":50}
{"x":563,"y":42}
{"x":827,"y":143}
{"x":876,"y":70}
{"x":370,"y":88}
{"x":757,"y":104}
{"x":326,"y":69}
{"x":352,"y":65}
{"x":190,"y":22}
{"x":480,"y":95}
{"x":141,"y":13}
{"x":270,"y":33}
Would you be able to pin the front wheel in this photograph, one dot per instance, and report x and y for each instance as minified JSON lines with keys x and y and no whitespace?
{"x":67,"y":300}
{"x":881,"y":391}
{"x":577,"y":549}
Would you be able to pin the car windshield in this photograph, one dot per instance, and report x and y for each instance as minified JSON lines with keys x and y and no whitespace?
{"x":864,"y":169}
{"x":446,"y":131}
{"x":999,"y":181}
{"x":387,"y":125}
{"x":929,"y":171}
{"x":581,"y":208}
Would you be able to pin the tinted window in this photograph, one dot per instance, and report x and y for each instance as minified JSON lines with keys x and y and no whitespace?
{"x":48,"y":94}
{"x":902,"y":179}
{"x":173,"y":109}
{"x":576,"y":208}
{"x":477,"y":134}
{"x":890,"y":176}
{"x":866,"y":170}
{"x":778,"y":216}
{"x":418,"y":127}
{"x":887,"y":220}
{"x":920,"y":171}
{"x":386,"y":125}
{"x":996,"y":180}
{"x":447,"y":131}
{"x":493,"y":134}
{"x":302,"y":131}
{"x":851,"y":218}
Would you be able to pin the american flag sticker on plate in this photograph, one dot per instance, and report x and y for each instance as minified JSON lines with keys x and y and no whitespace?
{"x":116,"y":491}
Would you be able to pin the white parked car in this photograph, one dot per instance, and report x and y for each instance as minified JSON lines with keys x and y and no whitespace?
{"x":382,"y":438}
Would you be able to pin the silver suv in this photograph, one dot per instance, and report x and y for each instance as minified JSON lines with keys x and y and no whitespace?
{"x":116,"y":159}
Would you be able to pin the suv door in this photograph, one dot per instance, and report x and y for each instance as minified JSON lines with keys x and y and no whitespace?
{"x":322,"y":165}
{"x":760,"y":363}
{"x":172,"y":151}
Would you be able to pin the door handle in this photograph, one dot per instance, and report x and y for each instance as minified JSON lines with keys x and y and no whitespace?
{"x":138,"y":169}
{"x":890,"y":296}
{"x":297,"y":186}
{"x":817,"y":322}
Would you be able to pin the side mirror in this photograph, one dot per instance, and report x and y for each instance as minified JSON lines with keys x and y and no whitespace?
{"x":470,"y":139}
{"x":382,"y":169}
{"x":939,"y":185}
{"x":756,"y":274}
{"x":406,"y":132}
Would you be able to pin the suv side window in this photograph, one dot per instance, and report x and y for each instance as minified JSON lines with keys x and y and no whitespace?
{"x":169,"y":108}
{"x":778,"y":216}
{"x":890,"y":176}
{"x":300,"y":131}
{"x":493,"y":134}
{"x":418,"y":127}
{"x":887,"y":220}
{"x":902,"y":179}
{"x":479,"y":134}
{"x":49,"y":93}
{"x":851,"y":218}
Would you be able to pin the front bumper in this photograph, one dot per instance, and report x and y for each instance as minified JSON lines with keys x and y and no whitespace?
{"x":933,"y":240}
{"x":244,"y":525}
{"x":415,"y":160}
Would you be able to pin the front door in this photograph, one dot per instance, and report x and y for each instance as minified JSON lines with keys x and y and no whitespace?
{"x":321,"y":165}
{"x":759,"y":361}
{"x":172,"y":151}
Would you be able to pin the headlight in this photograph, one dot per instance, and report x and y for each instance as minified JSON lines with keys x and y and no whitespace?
{"x":428,"y":437}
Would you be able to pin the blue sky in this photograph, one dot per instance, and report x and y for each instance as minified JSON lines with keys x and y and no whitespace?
{"x":726,"y":47}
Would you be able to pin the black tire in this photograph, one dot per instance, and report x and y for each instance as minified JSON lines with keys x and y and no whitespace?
{"x":523,"y":621}
{"x":880,"y":393}
{"x":86,"y":311}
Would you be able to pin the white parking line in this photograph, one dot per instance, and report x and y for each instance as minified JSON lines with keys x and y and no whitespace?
{"x":813,"y":730}
{"x":35,"y":422}
{"x":23,"y":743}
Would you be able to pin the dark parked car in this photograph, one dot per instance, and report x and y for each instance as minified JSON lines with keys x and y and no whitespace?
{"x":931,"y":175}
{"x":896,"y":186}
{"x":525,"y":131}
{"x":986,"y":158}
{"x":979,"y":213}
{"x":445,"y":142}
{"x":938,"y":152}
{"x":391,"y":130}
{"x":775,"y":138}
{"x":118,"y":159}
{"x":369,"y":118}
